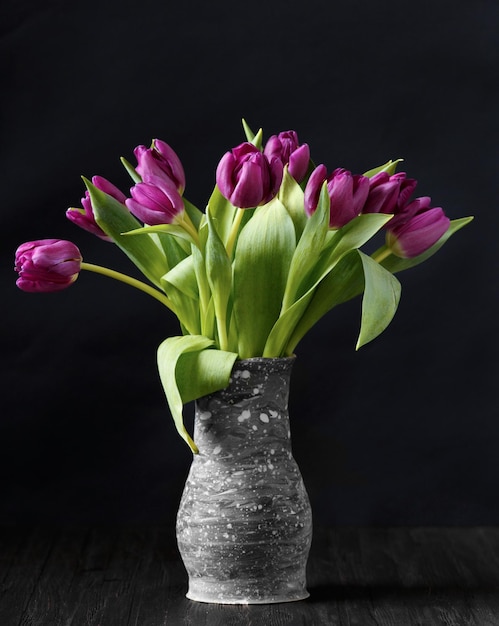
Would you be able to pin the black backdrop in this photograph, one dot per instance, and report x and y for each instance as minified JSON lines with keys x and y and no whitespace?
{"x":405,"y":431}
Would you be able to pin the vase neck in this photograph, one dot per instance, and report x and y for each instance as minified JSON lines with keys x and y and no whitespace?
{"x":252,"y":411}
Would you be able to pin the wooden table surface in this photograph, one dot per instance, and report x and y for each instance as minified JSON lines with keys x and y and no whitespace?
{"x":133,"y":576}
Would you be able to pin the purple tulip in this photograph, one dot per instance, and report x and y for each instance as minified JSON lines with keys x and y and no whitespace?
{"x":85,"y":218}
{"x":416,"y":228}
{"x":47,"y":265}
{"x":247,"y":178}
{"x":160,"y":161}
{"x":155,"y":202}
{"x":285,"y":146}
{"x":347,"y":194}
{"x":386,"y":192}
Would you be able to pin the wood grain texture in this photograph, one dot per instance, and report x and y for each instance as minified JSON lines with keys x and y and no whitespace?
{"x":357,"y":577}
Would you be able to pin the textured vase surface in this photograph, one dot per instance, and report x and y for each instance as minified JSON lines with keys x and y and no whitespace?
{"x":244,"y":524}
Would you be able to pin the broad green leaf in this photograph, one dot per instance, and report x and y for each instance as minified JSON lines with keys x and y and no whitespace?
{"x":222,"y":213}
{"x":219,"y":274}
{"x":201,"y":373}
{"x":115,"y":219}
{"x":174,"y":380}
{"x":357,"y":232}
{"x":342,"y":283}
{"x":278,"y":339}
{"x":264,"y":252}
{"x":396,"y":264}
{"x":291,"y":195}
{"x":380,"y":300}
{"x":308,"y":249}
{"x":183,"y":277}
{"x":134,"y":175}
{"x":389,"y":167}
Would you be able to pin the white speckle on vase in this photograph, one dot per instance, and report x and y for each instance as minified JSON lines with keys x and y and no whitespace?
{"x":205,"y":415}
{"x":255,"y":427}
{"x":274,"y":413}
{"x":245,"y":374}
{"x":256,"y":391}
{"x":264,"y":418}
{"x":245,"y":415}
{"x":217,"y":449}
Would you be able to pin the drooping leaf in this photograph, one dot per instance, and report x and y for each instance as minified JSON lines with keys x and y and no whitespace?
{"x":264,"y":252}
{"x":193,"y":378}
{"x":202,"y":373}
{"x":115,"y":219}
{"x":380,"y":300}
{"x":342,"y":283}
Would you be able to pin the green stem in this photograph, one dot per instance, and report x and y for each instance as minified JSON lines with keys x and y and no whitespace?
{"x":124,"y":278}
{"x":382,"y":255}
{"x":189,"y":227}
{"x":233,"y":231}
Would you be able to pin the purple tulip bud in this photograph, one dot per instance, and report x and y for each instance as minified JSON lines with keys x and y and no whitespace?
{"x":85,"y":218}
{"x":247,"y":178}
{"x":347,"y":194}
{"x":387,"y":192}
{"x":47,"y":265}
{"x":422,"y":228}
{"x":160,"y":161}
{"x":155,"y":202}
{"x":286,"y":148}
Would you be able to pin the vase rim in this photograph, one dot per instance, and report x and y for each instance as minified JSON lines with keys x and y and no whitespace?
{"x":265,"y":359}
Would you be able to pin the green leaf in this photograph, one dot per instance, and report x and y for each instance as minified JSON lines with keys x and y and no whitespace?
{"x":134,"y":175}
{"x":222,"y":213}
{"x":356,"y":233}
{"x":396,"y":264}
{"x":286,"y":332}
{"x":389,"y":167}
{"x":183,"y":277}
{"x":250,"y":135}
{"x":114,"y":219}
{"x":380,"y":300}
{"x":257,"y":139}
{"x":202,"y":373}
{"x":308,"y":249}
{"x":186,"y":375}
{"x":263,"y":256}
{"x":344,"y":281}
{"x":196,"y":216}
{"x":219,"y":274}
{"x":169,"y":229}
{"x":291,"y":195}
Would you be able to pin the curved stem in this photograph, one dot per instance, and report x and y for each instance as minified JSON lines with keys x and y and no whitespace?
{"x":382,"y":255}
{"x":233,"y":231}
{"x":124,"y":278}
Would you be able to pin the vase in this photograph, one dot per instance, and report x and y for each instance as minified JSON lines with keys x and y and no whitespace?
{"x":244,"y":524}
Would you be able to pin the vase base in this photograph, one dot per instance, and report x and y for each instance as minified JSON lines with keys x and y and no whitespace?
{"x":221,"y":599}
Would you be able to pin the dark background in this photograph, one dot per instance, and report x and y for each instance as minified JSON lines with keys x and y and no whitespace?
{"x":405,"y":431}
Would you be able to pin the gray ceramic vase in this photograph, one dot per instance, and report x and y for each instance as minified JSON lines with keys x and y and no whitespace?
{"x":244,"y":524}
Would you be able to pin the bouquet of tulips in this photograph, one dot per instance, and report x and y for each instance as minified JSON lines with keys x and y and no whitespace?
{"x":278,"y":246}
